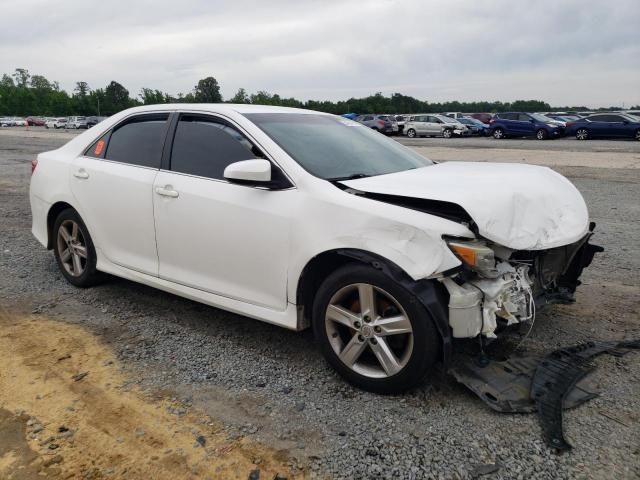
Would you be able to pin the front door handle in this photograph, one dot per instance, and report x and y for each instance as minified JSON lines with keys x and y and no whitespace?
{"x":81,"y":173}
{"x":167,"y":192}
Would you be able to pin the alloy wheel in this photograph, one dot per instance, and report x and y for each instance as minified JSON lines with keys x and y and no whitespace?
{"x":411,"y":133}
{"x":369,"y":330}
{"x":541,"y":134}
{"x":72,"y":248}
{"x":637,"y":134}
{"x":582,"y":134}
{"x":446,"y":133}
{"x":498,"y":133}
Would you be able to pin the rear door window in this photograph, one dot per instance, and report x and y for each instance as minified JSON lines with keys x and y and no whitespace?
{"x":204,"y":147}
{"x":138,"y":141}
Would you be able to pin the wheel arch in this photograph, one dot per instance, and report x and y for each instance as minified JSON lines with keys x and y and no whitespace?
{"x":430,"y":293}
{"x":52,"y":214}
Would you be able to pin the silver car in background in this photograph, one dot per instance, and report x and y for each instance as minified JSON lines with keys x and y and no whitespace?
{"x":380,"y":123}
{"x":431,"y":125}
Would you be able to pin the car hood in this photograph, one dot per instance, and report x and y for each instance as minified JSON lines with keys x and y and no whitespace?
{"x":523,"y":207}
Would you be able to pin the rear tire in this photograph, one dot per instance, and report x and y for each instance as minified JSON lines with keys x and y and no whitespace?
{"x":74,"y":250}
{"x":389,"y":351}
{"x":498,"y":133}
{"x":541,"y":134}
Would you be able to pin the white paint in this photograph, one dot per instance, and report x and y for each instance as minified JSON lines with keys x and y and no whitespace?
{"x":249,"y":170}
{"x":524,"y":207}
{"x":243,"y":249}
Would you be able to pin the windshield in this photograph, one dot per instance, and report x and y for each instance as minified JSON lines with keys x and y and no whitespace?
{"x":334,"y":148}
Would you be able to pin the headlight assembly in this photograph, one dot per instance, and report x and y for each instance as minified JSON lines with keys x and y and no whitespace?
{"x":473,"y":253}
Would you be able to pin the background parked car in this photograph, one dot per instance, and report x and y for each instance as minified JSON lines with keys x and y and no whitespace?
{"x":381,"y":123}
{"x":60,"y":122}
{"x":394,"y":123}
{"x":522,"y":124}
{"x":19,"y":122}
{"x":434,"y":125}
{"x":35,"y":121}
{"x":93,"y":121}
{"x":475,"y":126}
{"x":401,"y":121}
{"x":77,"y":122}
{"x":483,"y":117}
{"x":6,"y":122}
{"x":614,"y":125}
{"x":455,"y":115}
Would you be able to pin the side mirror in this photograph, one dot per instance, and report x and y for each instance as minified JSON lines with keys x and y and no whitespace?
{"x":532,"y":120}
{"x":255,"y":171}
{"x":626,"y":122}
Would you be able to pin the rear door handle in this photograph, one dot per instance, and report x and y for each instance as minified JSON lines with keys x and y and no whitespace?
{"x":167,"y":192}
{"x":81,"y":173}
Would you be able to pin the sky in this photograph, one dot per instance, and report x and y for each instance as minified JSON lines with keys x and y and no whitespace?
{"x":565,"y":52}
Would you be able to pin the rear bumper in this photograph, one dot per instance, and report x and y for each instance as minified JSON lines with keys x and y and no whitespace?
{"x":39,"y":211}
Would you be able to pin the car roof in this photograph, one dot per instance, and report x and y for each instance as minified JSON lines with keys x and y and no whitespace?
{"x":222,"y":108}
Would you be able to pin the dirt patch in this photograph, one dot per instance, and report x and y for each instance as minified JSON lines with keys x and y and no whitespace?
{"x":66,"y":412}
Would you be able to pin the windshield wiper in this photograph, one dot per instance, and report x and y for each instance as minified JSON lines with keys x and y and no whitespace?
{"x":353,"y":176}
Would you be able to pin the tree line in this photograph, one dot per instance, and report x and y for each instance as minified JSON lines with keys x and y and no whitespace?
{"x":22,"y":94}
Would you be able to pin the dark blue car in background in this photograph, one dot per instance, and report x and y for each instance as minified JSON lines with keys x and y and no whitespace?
{"x":475,"y":126}
{"x":522,"y":124}
{"x":611,"y":125}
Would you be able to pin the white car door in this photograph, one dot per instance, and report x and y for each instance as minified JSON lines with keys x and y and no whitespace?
{"x":213,"y":235}
{"x":113,"y":185}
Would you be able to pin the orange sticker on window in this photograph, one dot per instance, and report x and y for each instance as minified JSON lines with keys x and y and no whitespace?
{"x":99,"y":147}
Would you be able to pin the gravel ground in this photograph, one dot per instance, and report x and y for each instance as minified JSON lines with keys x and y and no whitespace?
{"x":273,"y":385}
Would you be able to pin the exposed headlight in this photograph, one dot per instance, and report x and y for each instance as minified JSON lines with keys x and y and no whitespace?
{"x":473,"y":253}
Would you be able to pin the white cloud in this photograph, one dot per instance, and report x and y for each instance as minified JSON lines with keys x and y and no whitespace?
{"x":564,"y":52}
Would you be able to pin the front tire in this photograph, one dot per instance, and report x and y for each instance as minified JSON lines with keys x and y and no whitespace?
{"x":637,"y":135}
{"x":582,"y":134}
{"x":541,"y":134}
{"x":447,"y":133}
{"x":373,"y":331}
{"x":74,"y":250}
{"x":498,"y":134}
{"x":411,"y":133}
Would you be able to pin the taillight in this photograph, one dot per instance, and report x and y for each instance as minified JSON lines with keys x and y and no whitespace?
{"x":381,"y":122}
{"x":491,"y":120}
{"x":34,"y":164}
{"x":568,"y":124}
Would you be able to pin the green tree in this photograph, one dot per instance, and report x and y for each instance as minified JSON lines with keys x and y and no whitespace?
{"x":116,"y":98}
{"x":530,"y":106}
{"x":207,"y":91}
{"x":39,"y":82}
{"x":22,"y":77}
{"x":241,"y":96}
{"x":6,"y":81}
{"x":82,"y":89}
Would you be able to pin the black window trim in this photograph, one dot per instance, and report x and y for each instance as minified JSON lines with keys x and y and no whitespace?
{"x":107,"y":136}
{"x":221,"y":118}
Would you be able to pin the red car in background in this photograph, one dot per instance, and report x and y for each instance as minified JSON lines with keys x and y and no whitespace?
{"x":483,"y":117}
{"x":35,"y":121}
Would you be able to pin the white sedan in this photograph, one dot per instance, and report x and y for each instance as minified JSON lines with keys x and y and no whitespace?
{"x":300,"y":218}
{"x":56,"y":122}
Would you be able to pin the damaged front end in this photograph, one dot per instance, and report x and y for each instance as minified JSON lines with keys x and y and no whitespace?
{"x":500,"y":286}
